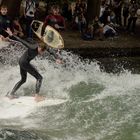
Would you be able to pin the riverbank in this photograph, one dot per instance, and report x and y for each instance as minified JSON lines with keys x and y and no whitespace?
{"x":123,"y":45}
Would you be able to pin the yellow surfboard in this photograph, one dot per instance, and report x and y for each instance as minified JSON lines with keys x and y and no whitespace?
{"x":51,"y":37}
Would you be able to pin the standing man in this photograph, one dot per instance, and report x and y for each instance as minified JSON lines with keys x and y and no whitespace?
{"x":117,"y":10}
{"x":125,"y":12}
{"x":29,"y":14}
{"x":132,"y":16}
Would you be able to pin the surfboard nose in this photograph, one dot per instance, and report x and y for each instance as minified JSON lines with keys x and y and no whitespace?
{"x":35,"y":26}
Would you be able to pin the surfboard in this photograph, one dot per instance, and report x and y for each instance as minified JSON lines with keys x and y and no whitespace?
{"x":51,"y":36}
{"x":30,"y":101}
{"x":24,"y":106}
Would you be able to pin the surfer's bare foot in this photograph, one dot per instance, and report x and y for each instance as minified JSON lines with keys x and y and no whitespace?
{"x":12,"y":96}
{"x":39,"y":98}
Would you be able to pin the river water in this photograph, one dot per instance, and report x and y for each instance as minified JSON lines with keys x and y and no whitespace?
{"x":103,"y":99}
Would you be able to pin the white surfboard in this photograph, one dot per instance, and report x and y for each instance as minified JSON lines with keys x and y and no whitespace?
{"x":51,"y":37}
{"x":24,"y":105}
{"x":30,"y":101}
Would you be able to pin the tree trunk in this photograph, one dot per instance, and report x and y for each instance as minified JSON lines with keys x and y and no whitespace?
{"x":13,"y":7}
{"x":93,"y":9}
{"x":0,"y":2}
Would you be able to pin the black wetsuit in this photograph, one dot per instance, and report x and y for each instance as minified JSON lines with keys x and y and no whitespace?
{"x":25,"y":66}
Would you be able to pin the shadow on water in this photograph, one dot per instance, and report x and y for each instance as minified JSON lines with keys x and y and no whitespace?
{"x":84,"y":91}
{"x":9,"y":134}
{"x":115,"y":64}
{"x":119,"y":64}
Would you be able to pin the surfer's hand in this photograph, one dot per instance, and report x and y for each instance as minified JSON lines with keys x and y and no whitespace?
{"x":59,"y":61}
{"x":9,"y":32}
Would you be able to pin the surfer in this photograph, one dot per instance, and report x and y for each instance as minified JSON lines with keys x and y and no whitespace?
{"x":26,"y":67}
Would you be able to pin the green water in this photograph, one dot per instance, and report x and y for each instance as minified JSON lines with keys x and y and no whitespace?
{"x":103,"y":100}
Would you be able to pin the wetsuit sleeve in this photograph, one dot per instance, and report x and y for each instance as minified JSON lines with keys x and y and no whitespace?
{"x":25,"y":43}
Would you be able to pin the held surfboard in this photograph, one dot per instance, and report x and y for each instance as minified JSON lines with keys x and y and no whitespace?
{"x":51,"y":37}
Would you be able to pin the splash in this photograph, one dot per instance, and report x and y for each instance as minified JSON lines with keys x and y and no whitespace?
{"x":100,"y":105}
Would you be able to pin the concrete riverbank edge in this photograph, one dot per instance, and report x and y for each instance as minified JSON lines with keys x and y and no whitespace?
{"x":124,"y":45}
{"x":105,"y":52}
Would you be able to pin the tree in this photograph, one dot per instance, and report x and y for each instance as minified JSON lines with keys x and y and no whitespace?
{"x":93,"y":9}
{"x":13,"y":7}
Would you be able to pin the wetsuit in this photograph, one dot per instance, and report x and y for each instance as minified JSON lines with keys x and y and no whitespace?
{"x":25,"y":66}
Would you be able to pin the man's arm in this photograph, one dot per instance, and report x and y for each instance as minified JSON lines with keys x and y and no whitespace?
{"x":14,"y":37}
